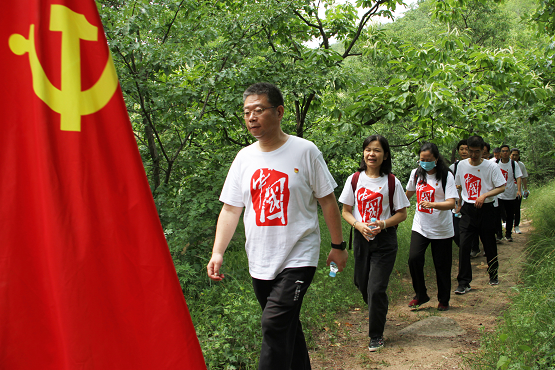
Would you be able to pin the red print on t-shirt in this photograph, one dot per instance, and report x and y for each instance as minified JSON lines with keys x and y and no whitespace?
{"x":425,"y":193}
{"x":270,"y":197}
{"x":369,"y":204}
{"x":505,"y":174}
{"x":473,"y":186}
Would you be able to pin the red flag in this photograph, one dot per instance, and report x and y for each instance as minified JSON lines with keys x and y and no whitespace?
{"x":86,"y":277}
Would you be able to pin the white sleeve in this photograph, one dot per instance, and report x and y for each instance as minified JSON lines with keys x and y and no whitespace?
{"x":231,"y":192}
{"x":347,"y":195}
{"x":518,"y":172}
{"x":322,"y":181}
{"x":451,"y":191}
{"x":400,"y":200}
{"x":411,"y":186}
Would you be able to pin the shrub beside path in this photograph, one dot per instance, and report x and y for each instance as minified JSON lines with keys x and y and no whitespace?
{"x":475,"y":312}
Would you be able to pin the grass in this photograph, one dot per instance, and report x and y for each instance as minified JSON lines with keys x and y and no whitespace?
{"x":525,"y":337}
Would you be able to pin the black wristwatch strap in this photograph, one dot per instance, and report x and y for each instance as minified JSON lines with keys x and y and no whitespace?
{"x":341,"y":246}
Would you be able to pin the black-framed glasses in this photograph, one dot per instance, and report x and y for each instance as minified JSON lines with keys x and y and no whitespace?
{"x":255,"y":112}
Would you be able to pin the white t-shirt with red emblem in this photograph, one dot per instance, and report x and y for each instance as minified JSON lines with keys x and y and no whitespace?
{"x":478,"y":180}
{"x":511,"y":188}
{"x":278,"y":190}
{"x":433,"y":223}
{"x":372,"y":198}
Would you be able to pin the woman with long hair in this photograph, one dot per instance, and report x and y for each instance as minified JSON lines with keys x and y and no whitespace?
{"x":436,"y":192}
{"x":367,"y":205}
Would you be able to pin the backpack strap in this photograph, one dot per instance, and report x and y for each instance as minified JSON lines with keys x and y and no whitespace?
{"x":456,"y":165}
{"x":354,"y":182}
{"x":444,"y":181}
{"x":391,"y":191}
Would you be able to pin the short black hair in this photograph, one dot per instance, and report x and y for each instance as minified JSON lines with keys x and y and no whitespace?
{"x":264,"y":88}
{"x":505,"y":146}
{"x":462,"y":142}
{"x":515,"y":150}
{"x":487,"y":146}
{"x":475,"y":141}
{"x":497,"y":150}
{"x":386,"y":167}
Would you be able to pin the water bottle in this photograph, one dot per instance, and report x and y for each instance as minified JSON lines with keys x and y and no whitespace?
{"x":333,"y":269}
{"x":373,"y":219}
{"x":458,"y":215}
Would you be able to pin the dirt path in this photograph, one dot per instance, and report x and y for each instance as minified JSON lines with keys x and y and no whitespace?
{"x":475,"y":312}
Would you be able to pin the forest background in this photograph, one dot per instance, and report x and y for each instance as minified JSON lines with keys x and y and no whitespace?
{"x":443,"y":71}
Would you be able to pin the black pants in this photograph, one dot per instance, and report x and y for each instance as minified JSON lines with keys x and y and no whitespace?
{"x":374,"y":261}
{"x":509,"y":207}
{"x":456,"y":238}
{"x":283,"y":342}
{"x":517,"y":211}
{"x":442,"y":255}
{"x":497,"y":222}
{"x":477,"y":222}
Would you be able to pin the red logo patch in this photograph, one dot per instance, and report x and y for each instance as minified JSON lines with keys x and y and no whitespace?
{"x":425,"y":193}
{"x":270,"y":197}
{"x":473,"y":186}
{"x":369,"y":204}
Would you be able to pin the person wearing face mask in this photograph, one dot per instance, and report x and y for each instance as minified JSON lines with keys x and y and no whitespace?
{"x":436,"y":192}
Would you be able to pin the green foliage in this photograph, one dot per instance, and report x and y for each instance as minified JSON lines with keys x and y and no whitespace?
{"x":526,"y":337}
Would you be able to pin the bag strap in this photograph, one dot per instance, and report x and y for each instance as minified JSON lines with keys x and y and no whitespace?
{"x":354,"y":182}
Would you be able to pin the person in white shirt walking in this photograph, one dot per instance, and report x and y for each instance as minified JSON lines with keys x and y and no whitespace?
{"x":479,"y":181}
{"x":278,"y":180}
{"x":508,"y":200}
{"x":436,"y":192}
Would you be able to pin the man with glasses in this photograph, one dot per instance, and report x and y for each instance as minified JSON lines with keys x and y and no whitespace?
{"x":479,"y":180}
{"x":279,"y":180}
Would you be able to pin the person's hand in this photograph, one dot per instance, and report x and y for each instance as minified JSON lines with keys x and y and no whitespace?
{"x":427,"y":205}
{"x":518,"y":194}
{"x":213,"y":267}
{"x":458,"y":207}
{"x":480,"y":201}
{"x":339,"y":257}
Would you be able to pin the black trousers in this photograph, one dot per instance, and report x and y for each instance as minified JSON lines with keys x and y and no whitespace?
{"x":497,"y":222}
{"x":442,"y":255}
{"x":517,"y":211}
{"x":374,"y":261}
{"x":283,"y":342}
{"x":475,"y":247}
{"x":509,"y":207}
{"x":477,"y":222}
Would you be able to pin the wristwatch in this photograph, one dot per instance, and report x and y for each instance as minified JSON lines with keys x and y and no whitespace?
{"x":341,"y":246}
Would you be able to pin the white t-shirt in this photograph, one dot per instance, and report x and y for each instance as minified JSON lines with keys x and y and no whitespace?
{"x":433,"y":223}
{"x":511,"y":187}
{"x":478,"y":180}
{"x":372,"y":198}
{"x":523,"y":169}
{"x":278,"y":190}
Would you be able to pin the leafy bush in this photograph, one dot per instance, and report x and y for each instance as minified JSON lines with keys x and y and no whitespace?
{"x":526,"y":338}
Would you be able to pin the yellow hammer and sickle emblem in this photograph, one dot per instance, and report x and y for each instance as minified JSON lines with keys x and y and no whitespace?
{"x":69,"y":101}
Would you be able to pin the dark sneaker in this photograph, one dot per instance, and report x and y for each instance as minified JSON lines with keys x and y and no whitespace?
{"x":499,"y":240}
{"x":494,"y":281}
{"x":461,"y":289}
{"x":474,"y":254}
{"x":442,"y":307}
{"x":510,"y":239}
{"x":415,"y":303}
{"x":375,"y":344}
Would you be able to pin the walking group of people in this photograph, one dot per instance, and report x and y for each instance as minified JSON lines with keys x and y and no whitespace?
{"x":280,"y":179}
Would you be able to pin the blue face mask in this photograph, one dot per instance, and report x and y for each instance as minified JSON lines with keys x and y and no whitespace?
{"x":427,"y":166}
